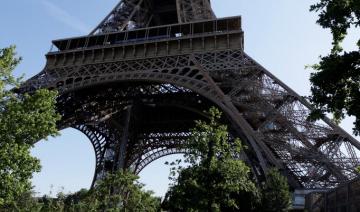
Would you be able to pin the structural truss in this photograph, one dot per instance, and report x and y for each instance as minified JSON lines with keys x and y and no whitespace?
{"x":135,"y":85}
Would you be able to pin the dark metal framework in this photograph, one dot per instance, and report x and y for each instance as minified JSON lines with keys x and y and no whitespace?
{"x":136,"y":84}
{"x":345,"y":197}
{"x":130,"y":14}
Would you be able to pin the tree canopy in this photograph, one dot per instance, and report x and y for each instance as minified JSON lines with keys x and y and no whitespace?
{"x":24,"y":120}
{"x":335,"y":83}
{"x":119,"y":191}
{"x":275,"y":192}
{"x":217,"y":179}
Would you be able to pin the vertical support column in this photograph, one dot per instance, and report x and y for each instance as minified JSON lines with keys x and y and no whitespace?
{"x":121,"y":156}
{"x":117,"y":139}
{"x":348,"y":203}
{"x":326,"y":202}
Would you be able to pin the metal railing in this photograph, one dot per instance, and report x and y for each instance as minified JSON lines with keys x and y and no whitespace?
{"x":173,"y":31}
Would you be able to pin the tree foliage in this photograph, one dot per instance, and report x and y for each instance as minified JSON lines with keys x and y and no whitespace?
{"x":275,"y":192}
{"x":216,"y":180}
{"x":24,"y":120}
{"x":117,"y":192}
{"x":358,"y":169}
{"x":121,"y":192}
{"x":338,"y":16}
{"x":335,"y":84}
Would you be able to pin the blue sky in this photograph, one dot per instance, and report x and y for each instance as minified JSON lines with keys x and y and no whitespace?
{"x":280,"y":34}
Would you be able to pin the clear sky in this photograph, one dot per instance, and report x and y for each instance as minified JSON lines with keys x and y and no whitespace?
{"x":280,"y":34}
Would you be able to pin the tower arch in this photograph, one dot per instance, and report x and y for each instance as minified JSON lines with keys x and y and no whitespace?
{"x":107,"y":78}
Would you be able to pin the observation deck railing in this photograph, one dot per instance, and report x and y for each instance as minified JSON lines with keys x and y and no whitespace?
{"x":151,"y":34}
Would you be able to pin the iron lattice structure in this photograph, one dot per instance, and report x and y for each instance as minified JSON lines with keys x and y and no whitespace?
{"x":135,"y":85}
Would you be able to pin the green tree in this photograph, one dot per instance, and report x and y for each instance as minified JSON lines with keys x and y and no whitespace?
{"x":217,"y":179}
{"x":117,"y":192}
{"x":121,"y":192}
{"x":275,"y":192}
{"x":77,"y":201}
{"x":24,"y":120}
{"x":50,"y":204}
{"x":335,"y":82}
{"x":25,"y":203}
{"x":358,"y":169}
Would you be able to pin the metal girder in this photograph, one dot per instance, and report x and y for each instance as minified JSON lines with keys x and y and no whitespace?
{"x":155,"y":146}
{"x":193,"y":10}
{"x":306,"y":149}
{"x":145,"y":142}
{"x":170,"y":80}
{"x":131,"y":14}
{"x":123,"y":16}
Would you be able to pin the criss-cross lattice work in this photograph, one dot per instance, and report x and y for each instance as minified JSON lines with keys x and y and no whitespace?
{"x":130,"y":14}
{"x":316,"y":154}
{"x":138,"y":107}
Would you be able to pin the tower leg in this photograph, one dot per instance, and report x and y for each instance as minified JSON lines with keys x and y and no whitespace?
{"x":123,"y":143}
{"x":117,"y":139}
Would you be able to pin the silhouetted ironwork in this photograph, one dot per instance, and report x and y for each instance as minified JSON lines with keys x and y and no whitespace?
{"x":135,"y":85}
{"x":345,"y":197}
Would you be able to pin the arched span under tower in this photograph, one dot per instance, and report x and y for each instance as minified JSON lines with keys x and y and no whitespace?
{"x":115,"y":83}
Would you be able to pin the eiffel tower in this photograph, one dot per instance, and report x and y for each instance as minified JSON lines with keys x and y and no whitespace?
{"x":137,"y":82}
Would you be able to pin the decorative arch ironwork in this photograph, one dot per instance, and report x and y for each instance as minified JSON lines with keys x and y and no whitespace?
{"x":114,"y":77}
